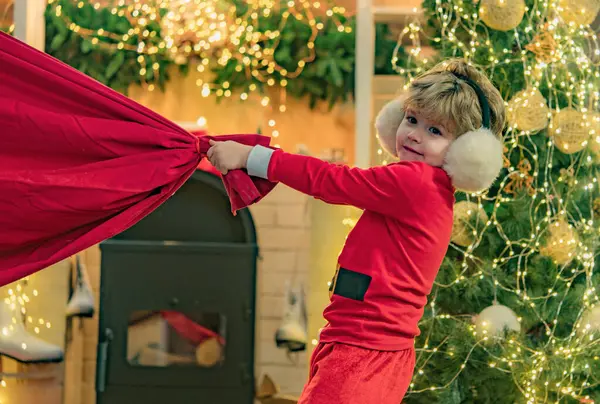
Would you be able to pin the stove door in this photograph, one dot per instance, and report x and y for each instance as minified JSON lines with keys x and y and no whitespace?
{"x":177,"y":304}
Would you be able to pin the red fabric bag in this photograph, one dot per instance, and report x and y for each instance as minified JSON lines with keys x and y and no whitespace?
{"x":189,"y":329}
{"x":80,"y":163}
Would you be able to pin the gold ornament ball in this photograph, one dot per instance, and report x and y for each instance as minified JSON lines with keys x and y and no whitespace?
{"x":569,"y":131}
{"x":579,"y":12}
{"x":590,"y":321}
{"x":596,"y":206}
{"x":561,"y":244}
{"x":594,"y":131}
{"x":495,"y":319}
{"x":502,"y":15}
{"x":462,"y":228}
{"x":527,"y":110}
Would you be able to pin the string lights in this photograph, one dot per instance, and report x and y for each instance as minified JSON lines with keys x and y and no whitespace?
{"x":228,"y":33}
{"x":18,"y":299}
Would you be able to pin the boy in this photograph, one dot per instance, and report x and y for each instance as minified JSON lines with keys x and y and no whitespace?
{"x":445,"y":133}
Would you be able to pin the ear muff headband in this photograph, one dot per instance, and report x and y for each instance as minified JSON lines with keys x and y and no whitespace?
{"x":483,"y":102}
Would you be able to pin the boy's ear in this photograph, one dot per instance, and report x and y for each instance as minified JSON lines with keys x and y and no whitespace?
{"x":387,"y":122}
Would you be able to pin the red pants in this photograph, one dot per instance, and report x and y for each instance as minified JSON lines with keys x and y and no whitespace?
{"x":346,"y":374}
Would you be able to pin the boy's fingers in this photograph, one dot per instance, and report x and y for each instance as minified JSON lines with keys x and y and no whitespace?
{"x":211,"y":142}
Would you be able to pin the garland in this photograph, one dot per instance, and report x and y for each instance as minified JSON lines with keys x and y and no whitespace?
{"x":104,"y":43}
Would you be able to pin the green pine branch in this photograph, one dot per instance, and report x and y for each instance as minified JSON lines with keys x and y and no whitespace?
{"x":329,"y":78}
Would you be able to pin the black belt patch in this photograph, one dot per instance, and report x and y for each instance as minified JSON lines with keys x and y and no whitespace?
{"x":350,"y":284}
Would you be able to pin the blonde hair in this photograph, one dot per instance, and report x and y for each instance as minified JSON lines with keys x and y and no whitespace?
{"x":443,"y":97}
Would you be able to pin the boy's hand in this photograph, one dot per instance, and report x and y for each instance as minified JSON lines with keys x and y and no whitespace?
{"x":228,"y":155}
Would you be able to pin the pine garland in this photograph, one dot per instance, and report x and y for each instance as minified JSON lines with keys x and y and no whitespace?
{"x":71,"y":29}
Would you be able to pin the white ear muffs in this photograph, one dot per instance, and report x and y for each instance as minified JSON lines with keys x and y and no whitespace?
{"x":387,"y":122}
{"x":473,"y":161}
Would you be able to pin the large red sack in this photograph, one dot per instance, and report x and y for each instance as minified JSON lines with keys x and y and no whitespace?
{"x":80,"y":163}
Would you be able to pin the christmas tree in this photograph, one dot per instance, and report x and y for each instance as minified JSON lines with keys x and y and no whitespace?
{"x":514,"y":316}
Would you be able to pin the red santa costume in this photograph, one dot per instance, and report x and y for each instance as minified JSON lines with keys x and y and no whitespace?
{"x":386,"y":270}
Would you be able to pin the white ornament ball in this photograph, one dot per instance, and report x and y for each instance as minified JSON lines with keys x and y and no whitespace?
{"x":493,"y":320}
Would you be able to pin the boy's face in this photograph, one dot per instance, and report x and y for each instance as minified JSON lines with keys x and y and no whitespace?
{"x":421,"y":139}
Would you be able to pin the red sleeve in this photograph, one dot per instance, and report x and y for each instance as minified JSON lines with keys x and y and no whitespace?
{"x":381,"y":189}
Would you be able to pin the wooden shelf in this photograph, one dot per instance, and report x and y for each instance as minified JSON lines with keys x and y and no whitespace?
{"x":373,"y":92}
{"x":386,"y":85}
{"x":396,"y":14}
{"x":30,"y":375}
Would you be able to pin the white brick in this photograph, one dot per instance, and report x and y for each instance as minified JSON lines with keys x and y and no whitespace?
{"x":283,"y":238}
{"x":90,"y":348}
{"x":92,"y":263}
{"x":263,"y":215}
{"x":89,"y":393}
{"x":90,"y":327}
{"x":267,"y":329}
{"x":89,"y":371}
{"x":293,"y":215}
{"x":276,"y":261}
{"x":271,"y":355}
{"x":33,"y":391}
{"x":270,"y":307}
{"x":290,"y":380}
{"x":284,"y":194}
{"x":92,"y":255}
{"x":274,"y":284}
{"x":303,"y":261}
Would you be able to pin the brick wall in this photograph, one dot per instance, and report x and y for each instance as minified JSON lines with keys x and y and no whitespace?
{"x":283,"y":226}
{"x":282,"y":221}
{"x":80,"y":361}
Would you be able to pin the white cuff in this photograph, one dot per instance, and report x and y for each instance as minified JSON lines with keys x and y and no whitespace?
{"x":258,"y":161}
